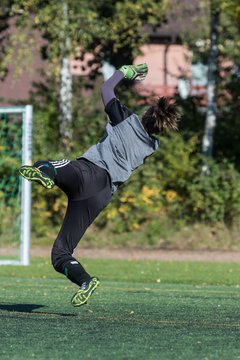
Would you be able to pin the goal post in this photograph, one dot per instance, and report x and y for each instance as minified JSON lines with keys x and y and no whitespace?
{"x":15,"y":192}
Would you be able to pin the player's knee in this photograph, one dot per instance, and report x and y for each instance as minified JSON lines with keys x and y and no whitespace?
{"x":57,"y":260}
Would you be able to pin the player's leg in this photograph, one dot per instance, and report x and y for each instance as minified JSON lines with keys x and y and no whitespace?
{"x":75,"y":223}
{"x":79,"y":215}
{"x":81,"y":211}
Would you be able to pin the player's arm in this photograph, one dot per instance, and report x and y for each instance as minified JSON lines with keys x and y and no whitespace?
{"x":116,"y":111}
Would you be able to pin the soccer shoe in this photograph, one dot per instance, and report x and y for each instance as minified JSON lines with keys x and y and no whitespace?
{"x":83,"y":294}
{"x":34,"y":174}
{"x":134,"y":72}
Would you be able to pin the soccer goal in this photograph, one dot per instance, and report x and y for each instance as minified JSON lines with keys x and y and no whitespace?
{"x":15,"y":192}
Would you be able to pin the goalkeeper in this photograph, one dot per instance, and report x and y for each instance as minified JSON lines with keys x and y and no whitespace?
{"x":91,"y":180}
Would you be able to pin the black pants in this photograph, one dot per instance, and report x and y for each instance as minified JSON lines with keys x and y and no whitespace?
{"x":88,"y":188}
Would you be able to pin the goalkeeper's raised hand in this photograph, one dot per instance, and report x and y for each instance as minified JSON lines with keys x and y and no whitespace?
{"x":134,"y":72}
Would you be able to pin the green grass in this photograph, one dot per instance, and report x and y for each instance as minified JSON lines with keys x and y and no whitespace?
{"x":142,"y":310}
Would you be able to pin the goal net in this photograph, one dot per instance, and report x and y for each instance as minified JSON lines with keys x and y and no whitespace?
{"x":15,"y":192}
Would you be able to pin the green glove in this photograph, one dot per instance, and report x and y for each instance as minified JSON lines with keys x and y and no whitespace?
{"x":134,"y":72}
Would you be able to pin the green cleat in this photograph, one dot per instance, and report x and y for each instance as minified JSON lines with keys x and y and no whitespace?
{"x":134,"y":72}
{"x":34,"y":174}
{"x":83,"y":294}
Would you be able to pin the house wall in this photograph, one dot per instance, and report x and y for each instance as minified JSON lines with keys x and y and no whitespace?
{"x":167,"y":64}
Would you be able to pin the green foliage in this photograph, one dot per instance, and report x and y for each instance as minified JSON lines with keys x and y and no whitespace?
{"x":10,"y":161}
{"x":171,"y":184}
{"x":196,"y":31}
{"x":232,"y":8}
{"x":193,"y":117}
{"x":215,"y":197}
{"x":111,"y":30}
{"x":227,"y":136}
{"x":48,"y":211}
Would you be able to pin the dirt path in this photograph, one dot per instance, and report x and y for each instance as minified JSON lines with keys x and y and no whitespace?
{"x":137,"y":254}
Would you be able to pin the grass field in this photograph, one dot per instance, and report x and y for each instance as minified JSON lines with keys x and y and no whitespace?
{"x":142,"y":310}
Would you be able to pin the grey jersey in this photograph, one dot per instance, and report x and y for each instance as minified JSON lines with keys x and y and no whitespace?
{"x":123,"y":149}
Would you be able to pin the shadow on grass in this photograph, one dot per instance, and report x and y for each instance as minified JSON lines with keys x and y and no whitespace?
{"x":29,"y":308}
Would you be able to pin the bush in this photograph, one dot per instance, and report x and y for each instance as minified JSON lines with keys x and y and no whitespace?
{"x":216,"y":197}
{"x":167,"y":192}
{"x":171,"y":183}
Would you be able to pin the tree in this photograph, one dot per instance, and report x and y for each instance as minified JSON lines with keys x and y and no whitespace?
{"x":212,"y":80}
{"x":5,"y":9}
{"x":215,"y":41}
{"x":111,"y":30}
{"x":65,"y":103}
